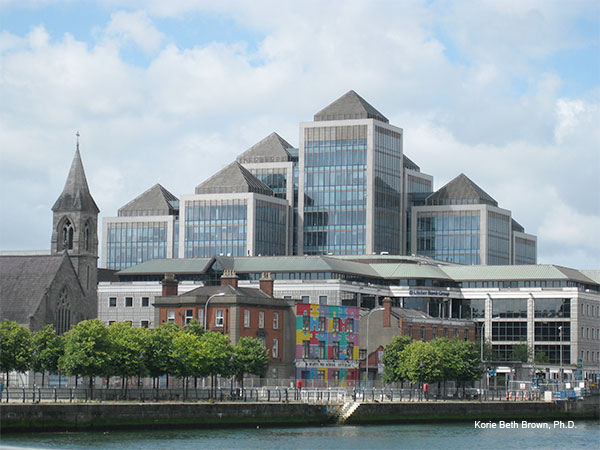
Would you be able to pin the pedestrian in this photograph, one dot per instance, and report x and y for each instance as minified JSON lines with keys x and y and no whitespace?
{"x":426,"y":390}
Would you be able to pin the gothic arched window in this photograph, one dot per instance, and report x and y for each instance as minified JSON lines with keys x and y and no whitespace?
{"x":63,"y":312}
{"x":86,"y":237}
{"x":67,"y":235}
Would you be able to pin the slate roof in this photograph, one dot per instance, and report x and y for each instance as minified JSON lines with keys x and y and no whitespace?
{"x":23,"y":284}
{"x":460,"y":191}
{"x":273,"y":148}
{"x":233,"y":179}
{"x":76,"y":193}
{"x":349,"y":106}
{"x":156,"y":201}
{"x":516,"y":272}
{"x":409,"y":164}
{"x":184,"y":265}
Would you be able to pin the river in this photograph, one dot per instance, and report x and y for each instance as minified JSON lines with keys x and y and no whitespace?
{"x":583,"y":434}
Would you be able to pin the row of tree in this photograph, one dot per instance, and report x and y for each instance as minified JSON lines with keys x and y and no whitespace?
{"x":91,"y":349}
{"x":438,"y":360}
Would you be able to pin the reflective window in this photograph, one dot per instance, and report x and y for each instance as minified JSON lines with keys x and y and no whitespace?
{"x":132,"y":243}
{"x":509,"y":331}
{"x":552,"y":307}
{"x":509,"y":308}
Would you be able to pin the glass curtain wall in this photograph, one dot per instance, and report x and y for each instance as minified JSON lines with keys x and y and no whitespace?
{"x":132,"y":243}
{"x":388,"y":188}
{"x":271,"y":221}
{"x":449,"y":236}
{"x":525,"y":251}
{"x":335,"y":180}
{"x":498,"y":239}
{"x":214,"y":227}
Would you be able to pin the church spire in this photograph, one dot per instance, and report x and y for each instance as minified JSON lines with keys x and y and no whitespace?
{"x":76,"y":194}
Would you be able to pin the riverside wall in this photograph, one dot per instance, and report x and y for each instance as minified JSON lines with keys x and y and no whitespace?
{"x":19,"y":417}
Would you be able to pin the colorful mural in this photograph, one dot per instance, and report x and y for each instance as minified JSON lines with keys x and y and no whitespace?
{"x":327,"y":344}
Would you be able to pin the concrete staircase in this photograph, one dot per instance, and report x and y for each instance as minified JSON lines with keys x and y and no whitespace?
{"x":346,"y":411}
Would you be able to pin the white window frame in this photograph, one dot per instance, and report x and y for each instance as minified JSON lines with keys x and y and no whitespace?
{"x":189,"y":318}
{"x":246,"y":318}
{"x":276,"y":320}
{"x":171,"y":315}
{"x":220,"y":318}
{"x":275,"y":348}
{"x":110,"y":299}
{"x":147,"y":299}
{"x":129,"y":299}
{"x":261,"y":319}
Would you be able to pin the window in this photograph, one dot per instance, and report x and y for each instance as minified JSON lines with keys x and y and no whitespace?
{"x":422,"y":333}
{"x":322,"y":324}
{"x":110,"y":322}
{"x":171,"y":316}
{"x":306,"y":349}
{"x":201,"y":316}
{"x":305,"y":299}
{"x":445,"y":332}
{"x":455,"y":332}
{"x":145,"y":302}
{"x":276,"y":320}
{"x":287,"y":297}
{"x":466,"y":334}
{"x":144,"y":324}
{"x":129,"y":302}
{"x":305,"y":323}
{"x":322,"y":299}
{"x":322,"y":348}
{"x":350,"y":351}
{"x":219,"y":321}
{"x":261,"y":319}
{"x":112,"y":302}
{"x":246,"y":318}
{"x":67,"y":236}
{"x":336,"y":325}
{"x":275,"y":348}
{"x":362,"y":354}
{"x":409,"y":331}
{"x":189,"y":315}
{"x":349,"y":325}
{"x":335,"y":350}
{"x":434,"y":333}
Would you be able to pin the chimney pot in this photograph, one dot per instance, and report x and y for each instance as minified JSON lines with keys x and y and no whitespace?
{"x":266,"y":284}
{"x":169,"y":285}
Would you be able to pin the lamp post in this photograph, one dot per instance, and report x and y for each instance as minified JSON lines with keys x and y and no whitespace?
{"x":560,"y":334}
{"x":218,"y":294}
{"x":367,"y":362}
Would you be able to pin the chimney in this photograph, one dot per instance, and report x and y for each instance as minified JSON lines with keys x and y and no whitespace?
{"x":169,"y":284}
{"x":266,"y":284}
{"x":387,"y":309}
{"x":229,"y":278}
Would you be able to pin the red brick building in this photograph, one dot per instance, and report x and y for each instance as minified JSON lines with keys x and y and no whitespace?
{"x":237,"y":312}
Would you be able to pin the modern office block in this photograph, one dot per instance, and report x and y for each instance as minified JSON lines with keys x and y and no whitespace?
{"x":233,"y":213}
{"x":350,"y":161}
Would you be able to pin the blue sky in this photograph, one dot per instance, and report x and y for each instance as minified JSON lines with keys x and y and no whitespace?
{"x":505,"y":91}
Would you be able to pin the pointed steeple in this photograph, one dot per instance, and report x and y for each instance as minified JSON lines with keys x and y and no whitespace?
{"x":350,"y":106}
{"x":76,"y":193}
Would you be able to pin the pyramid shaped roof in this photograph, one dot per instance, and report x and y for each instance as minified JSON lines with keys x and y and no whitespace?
{"x":460,"y":191}
{"x":350,"y":106}
{"x":231,"y":179}
{"x":156,"y":201}
{"x":273,"y":148}
{"x":76,"y":193}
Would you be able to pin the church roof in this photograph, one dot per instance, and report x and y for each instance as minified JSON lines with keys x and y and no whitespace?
{"x":460,"y":191}
{"x":273,"y":148}
{"x":156,"y":201}
{"x":232,"y":179}
{"x":350,"y":106}
{"x":24,"y":281}
{"x":76,"y":193}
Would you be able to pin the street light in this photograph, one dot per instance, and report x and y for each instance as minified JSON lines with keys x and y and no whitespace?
{"x":560,"y":334}
{"x":367,"y":363}
{"x":219,"y":294}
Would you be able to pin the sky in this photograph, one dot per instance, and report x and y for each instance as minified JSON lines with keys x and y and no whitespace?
{"x":505,"y":91}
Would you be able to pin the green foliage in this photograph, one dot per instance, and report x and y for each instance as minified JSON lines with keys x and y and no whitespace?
{"x":87,"y":350}
{"x":48,"y":347}
{"x":218,"y":353}
{"x":195,"y":327}
{"x":159,"y":345}
{"x":541,"y":358}
{"x":189,"y":356}
{"x":520,"y":353}
{"x":488,"y":350}
{"x":423,"y":362}
{"x":393,"y":367}
{"x":466,"y":361}
{"x":15,"y":347}
{"x":250,"y":356}
{"x":127,"y":350}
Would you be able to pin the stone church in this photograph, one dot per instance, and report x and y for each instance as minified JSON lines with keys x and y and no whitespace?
{"x":57,"y":288}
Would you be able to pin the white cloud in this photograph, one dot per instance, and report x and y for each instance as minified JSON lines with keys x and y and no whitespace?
{"x":136,"y":27}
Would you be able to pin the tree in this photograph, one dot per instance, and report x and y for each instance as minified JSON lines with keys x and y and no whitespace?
{"x":127,"y":347}
{"x":521,"y":353}
{"x":15,"y":347}
{"x":423,"y":362}
{"x":87,"y":351}
{"x":393,"y":365}
{"x":189,"y":355}
{"x":249,"y":356}
{"x":218,"y":355}
{"x":159,"y":358}
{"x":541,"y":358}
{"x":195,"y":327}
{"x":467,"y":361}
{"x":48,"y":347}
